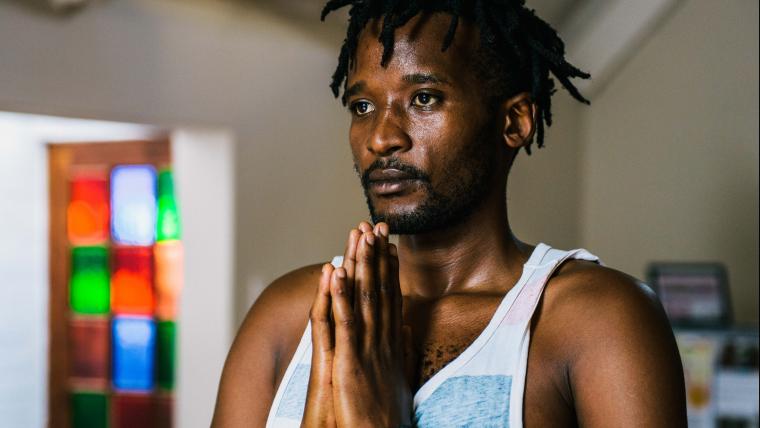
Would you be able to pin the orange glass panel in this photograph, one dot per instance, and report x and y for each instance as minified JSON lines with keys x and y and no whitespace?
{"x":169,"y":278}
{"x":87,"y":213}
{"x":132,"y":281}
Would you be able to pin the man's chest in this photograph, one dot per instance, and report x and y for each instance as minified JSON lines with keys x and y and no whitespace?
{"x":443,"y":331}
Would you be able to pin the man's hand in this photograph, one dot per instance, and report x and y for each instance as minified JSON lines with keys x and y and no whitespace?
{"x":319,"y":398}
{"x":369,"y":386}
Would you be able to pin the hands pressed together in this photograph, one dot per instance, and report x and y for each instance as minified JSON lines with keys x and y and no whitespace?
{"x":361,"y":353}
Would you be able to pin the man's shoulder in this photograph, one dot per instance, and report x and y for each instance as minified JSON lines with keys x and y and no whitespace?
{"x":281,"y":312}
{"x":610,"y":337}
{"x":295,"y":285}
{"x":581,"y":284}
{"x":597,"y":303}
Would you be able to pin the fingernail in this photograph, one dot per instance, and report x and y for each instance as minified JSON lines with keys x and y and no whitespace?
{"x":393,"y":250}
{"x":384,"y":230}
{"x":370,"y":239}
{"x":340,"y":273}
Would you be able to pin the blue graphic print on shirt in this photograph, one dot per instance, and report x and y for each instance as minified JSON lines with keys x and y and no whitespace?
{"x":467,"y":401}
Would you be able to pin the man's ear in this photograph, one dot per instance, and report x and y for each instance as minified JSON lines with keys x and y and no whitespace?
{"x":519,"y":120}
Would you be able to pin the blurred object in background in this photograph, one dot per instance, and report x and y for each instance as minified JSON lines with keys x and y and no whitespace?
{"x":721,"y":372}
{"x":693,"y":294}
{"x":114,"y":366}
{"x":720,"y":360}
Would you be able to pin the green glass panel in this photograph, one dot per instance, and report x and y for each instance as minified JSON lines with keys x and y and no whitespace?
{"x":165,"y":182}
{"x":89,"y":410}
{"x":167,"y":333}
{"x":90,"y":289}
{"x":168,"y":225}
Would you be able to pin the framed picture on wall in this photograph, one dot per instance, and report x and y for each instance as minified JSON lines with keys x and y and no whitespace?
{"x":693,"y":294}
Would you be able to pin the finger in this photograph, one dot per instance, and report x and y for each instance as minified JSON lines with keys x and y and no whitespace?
{"x":365,"y":227}
{"x":349,"y":258}
{"x":321,"y":331}
{"x":385,"y":285}
{"x":343,"y":314}
{"x":364,"y":289}
{"x":318,"y":408}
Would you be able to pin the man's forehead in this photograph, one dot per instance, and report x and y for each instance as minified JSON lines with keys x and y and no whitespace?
{"x":418,"y":44}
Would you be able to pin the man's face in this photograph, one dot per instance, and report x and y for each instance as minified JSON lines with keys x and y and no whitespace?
{"x":423,"y":140}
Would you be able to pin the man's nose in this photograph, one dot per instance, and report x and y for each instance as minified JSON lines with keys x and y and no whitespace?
{"x":389,"y":135}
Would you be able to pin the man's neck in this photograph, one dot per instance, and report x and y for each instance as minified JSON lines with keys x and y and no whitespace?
{"x":477,"y":255}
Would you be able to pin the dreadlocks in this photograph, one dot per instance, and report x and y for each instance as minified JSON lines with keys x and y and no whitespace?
{"x":518,"y":48}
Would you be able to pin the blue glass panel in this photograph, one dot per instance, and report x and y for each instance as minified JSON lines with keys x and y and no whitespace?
{"x":134,"y":343}
{"x":133,"y":204}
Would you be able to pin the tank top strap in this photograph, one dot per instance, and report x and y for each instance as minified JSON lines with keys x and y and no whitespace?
{"x":546,"y":261}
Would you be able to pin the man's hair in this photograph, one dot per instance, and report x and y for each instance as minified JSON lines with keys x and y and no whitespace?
{"x":517,"y":49}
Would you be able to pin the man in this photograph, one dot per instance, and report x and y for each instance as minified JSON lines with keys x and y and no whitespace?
{"x":460,"y":324}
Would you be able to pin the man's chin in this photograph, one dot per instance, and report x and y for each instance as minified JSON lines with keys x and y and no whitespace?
{"x":410,"y":222}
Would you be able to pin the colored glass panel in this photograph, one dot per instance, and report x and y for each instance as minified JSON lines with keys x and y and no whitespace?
{"x":169,"y":226}
{"x":133,"y":201}
{"x":89,"y":410}
{"x":166,"y":356}
{"x":87,"y":213}
{"x":132,"y":281}
{"x":168,"y":258}
{"x":134,"y":342}
{"x":89,"y":349}
{"x":89,"y":287}
{"x":134,"y":411}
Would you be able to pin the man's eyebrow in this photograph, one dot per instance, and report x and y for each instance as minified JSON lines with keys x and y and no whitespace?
{"x":418,"y":78}
{"x":354,"y":89}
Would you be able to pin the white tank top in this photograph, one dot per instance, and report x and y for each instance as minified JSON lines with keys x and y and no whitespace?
{"x":483,"y":386}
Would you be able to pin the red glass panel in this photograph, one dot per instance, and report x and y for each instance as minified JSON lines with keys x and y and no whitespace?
{"x":89,"y":350}
{"x":132,"y":281}
{"x":134,"y":410}
{"x":87,"y":213}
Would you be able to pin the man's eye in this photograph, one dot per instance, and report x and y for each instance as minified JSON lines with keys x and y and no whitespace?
{"x":424,"y":100}
{"x":360,"y":108}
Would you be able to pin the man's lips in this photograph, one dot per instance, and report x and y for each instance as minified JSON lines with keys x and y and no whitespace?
{"x":389,"y":174}
{"x":390,"y":181}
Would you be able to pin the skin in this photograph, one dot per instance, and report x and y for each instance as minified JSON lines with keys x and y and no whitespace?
{"x":602,"y":353}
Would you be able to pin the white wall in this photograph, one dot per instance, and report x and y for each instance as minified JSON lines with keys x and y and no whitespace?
{"x":670,"y":162}
{"x":203,"y":162}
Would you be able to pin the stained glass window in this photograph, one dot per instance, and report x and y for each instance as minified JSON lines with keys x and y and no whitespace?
{"x":124,"y":283}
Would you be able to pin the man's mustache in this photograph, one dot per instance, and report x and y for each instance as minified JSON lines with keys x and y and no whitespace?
{"x":393,"y":163}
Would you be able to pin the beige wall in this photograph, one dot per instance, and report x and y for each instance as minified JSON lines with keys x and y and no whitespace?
{"x":670,"y":159}
{"x":544,"y":187}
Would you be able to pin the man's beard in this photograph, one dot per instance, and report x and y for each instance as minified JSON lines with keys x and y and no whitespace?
{"x":466,"y":188}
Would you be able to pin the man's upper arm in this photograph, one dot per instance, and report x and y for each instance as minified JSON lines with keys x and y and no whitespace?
{"x":278,"y":316}
{"x":625,"y":370}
